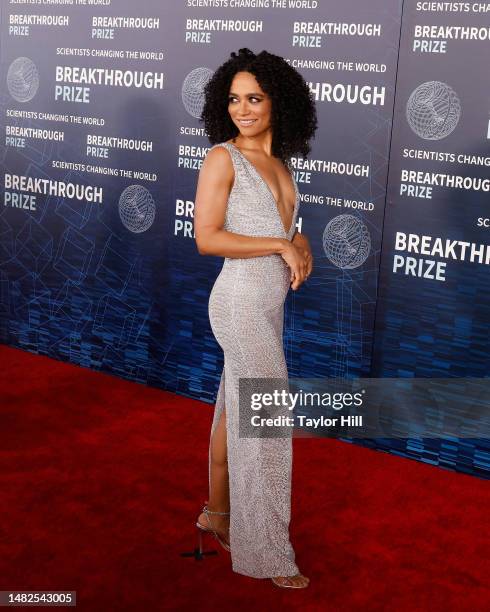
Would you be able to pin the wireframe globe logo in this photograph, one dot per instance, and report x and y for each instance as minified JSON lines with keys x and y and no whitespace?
{"x":433,"y":110}
{"x":22,"y":79}
{"x":137,"y":208}
{"x":346,"y":241}
{"x":193,"y":90}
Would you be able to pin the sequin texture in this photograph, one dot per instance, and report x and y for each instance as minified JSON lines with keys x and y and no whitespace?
{"x":246,"y":312}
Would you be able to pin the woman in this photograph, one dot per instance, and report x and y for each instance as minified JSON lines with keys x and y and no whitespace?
{"x":259,"y":112}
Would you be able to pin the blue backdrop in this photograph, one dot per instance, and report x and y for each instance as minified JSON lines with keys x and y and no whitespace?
{"x":106,"y":96}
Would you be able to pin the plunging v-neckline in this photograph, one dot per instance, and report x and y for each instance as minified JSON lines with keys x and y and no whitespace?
{"x":295,"y":188}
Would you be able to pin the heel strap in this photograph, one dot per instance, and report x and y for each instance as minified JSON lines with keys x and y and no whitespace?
{"x":206,"y":511}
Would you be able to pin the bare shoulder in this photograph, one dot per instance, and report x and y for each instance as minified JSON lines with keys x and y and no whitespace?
{"x":218,"y":156}
{"x":214,"y":185}
{"x":218,"y":163}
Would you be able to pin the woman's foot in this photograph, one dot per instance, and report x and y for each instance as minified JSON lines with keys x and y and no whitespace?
{"x":292,"y":582}
{"x":220,"y":524}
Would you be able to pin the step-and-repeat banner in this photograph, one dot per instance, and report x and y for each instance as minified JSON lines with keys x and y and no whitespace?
{"x":102,"y":145}
{"x":432,"y":312}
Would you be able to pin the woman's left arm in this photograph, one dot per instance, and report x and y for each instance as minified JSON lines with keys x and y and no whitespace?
{"x":301,"y":242}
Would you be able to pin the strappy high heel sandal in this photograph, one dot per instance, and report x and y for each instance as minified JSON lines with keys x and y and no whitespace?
{"x":210,"y":529}
{"x":290,"y":586}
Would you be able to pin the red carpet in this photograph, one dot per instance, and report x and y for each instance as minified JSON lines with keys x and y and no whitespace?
{"x":102,"y":479}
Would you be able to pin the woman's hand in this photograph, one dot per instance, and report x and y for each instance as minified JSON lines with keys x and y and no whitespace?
{"x":303,"y":244}
{"x":297,"y":261}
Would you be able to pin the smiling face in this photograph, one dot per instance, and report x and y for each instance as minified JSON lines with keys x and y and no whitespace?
{"x":249,"y":107}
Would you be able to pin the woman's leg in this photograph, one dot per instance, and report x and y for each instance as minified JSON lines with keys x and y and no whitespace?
{"x":219,"y":493}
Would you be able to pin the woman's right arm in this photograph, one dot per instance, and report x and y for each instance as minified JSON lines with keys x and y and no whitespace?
{"x":213,"y":190}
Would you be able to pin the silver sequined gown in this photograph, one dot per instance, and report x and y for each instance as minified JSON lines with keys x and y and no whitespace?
{"x":246,"y":308}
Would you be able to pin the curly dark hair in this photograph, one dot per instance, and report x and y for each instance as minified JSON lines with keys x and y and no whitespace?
{"x":293,"y":112}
